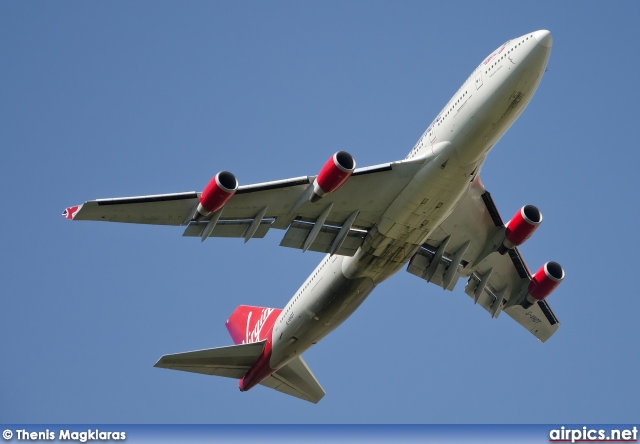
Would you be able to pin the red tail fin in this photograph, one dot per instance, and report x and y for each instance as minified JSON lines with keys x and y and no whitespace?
{"x":251,"y":324}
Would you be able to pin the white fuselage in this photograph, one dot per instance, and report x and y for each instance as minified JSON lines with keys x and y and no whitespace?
{"x":453,"y":149}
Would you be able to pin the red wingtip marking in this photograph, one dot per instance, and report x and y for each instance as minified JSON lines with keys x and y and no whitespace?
{"x":70,"y":212}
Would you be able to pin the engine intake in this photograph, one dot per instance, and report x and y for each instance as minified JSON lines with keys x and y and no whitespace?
{"x":546,"y":279}
{"x":217,"y":192}
{"x":520,"y":227}
{"x":333,"y":174}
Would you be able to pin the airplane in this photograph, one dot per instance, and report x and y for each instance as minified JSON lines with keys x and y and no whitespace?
{"x":429,"y":211}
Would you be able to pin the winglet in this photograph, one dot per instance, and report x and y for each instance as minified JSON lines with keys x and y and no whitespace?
{"x":71,"y":212}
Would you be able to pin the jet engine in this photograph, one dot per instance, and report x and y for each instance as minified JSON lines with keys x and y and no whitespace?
{"x":520,"y":227}
{"x":333,"y":174}
{"x":217,"y":192}
{"x":546,"y":279}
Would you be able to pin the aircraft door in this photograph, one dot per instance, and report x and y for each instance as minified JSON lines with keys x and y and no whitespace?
{"x":479,"y":80}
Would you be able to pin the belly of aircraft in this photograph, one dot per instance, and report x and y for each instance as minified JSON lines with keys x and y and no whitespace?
{"x":319,"y":311}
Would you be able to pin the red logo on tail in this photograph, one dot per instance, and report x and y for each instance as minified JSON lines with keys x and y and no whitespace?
{"x":251,"y":324}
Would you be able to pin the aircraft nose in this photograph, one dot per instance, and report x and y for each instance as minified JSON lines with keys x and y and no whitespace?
{"x":544,"y":38}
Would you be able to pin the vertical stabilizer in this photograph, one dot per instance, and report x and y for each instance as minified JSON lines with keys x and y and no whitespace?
{"x":251,"y":324}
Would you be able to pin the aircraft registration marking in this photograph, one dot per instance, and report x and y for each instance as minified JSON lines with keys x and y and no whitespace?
{"x":533,"y":318}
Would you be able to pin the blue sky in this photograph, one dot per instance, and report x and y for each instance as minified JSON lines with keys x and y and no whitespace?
{"x":109,"y":99}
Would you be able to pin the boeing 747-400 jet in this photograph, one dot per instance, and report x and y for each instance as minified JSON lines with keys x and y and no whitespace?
{"x":429,"y":211}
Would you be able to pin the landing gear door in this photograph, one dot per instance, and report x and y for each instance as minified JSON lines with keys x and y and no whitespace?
{"x":479,"y":79}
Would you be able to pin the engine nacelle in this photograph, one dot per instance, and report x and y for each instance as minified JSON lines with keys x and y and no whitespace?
{"x":333,"y":174}
{"x":217,"y":192}
{"x":546,"y":279}
{"x":520,"y":227}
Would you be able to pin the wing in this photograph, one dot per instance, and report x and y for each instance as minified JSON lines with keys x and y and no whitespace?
{"x":342,"y":217}
{"x":465,"y":246}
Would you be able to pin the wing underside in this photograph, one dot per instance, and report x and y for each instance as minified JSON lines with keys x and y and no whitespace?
{"x":464,"y":246}
{"x":342,"y":218}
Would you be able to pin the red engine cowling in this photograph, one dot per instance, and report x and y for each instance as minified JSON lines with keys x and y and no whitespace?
{"x":333,"y":174}
{"x":546,"y":279}
{"x":520,"y":227}
{"x":217,"y":192}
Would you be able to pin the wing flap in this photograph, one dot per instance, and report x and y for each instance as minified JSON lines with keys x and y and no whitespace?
{"x":228,"y":228}
{"x":299,"y":231}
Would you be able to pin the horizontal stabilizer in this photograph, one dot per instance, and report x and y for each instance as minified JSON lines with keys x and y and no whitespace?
{"x":296,"y":379}
{"x":231,"y":362}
